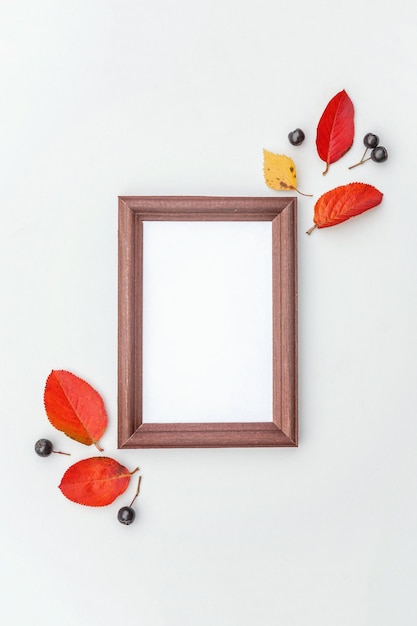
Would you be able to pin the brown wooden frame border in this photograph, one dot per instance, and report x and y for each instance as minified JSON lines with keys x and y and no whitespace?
{"x":283,"y":429}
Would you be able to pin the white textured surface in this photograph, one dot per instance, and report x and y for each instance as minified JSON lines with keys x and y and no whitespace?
{"x":109,"y":98}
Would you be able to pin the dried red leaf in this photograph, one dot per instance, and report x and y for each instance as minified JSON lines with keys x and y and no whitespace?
{"x":73,"y":406}
{"x":97,"y":481}
{"x":335,"y":129}
{"x":341,"y":203}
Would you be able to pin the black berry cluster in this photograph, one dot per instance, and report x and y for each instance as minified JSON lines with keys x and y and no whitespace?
{"x":379,"y":154}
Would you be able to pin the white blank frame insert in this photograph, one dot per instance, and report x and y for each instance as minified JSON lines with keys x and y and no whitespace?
{"x":207,"y":322}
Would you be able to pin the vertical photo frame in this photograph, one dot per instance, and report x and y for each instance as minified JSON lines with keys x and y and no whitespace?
{"x":280,"y":426}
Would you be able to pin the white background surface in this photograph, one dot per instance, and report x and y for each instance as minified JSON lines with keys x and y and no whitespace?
{"x":101,"y":99}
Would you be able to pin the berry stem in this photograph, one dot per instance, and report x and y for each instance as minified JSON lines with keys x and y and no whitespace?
{"x":361,"y":161}
{"x":310,"y":230}
{"x":137,"y":490}
{"x":57,"y":452}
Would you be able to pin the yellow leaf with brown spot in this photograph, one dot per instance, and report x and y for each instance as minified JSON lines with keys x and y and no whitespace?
{"x":279,"y":171}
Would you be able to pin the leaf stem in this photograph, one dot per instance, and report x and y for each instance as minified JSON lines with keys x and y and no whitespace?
{"x":326,"y":170}
{"x":310,"y":230}
{"x":137,"y":490}
{"x":98,"y":446}
{"x":309,"y":195}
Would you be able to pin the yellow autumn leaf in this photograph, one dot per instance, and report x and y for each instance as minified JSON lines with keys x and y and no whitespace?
{"x":279,"y":171}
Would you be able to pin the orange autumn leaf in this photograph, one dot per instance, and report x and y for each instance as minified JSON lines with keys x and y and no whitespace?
{"x":74,"y":407}
{"x":97,"y":481}
{"x":340,"y":204}
{"x":279,"y":171}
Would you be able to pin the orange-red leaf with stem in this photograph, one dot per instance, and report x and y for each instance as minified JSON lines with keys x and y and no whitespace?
{"x":341,"y":203}
{"x":74,"y":407}
{"x":335,"y":129}
{"x":97,"y":481}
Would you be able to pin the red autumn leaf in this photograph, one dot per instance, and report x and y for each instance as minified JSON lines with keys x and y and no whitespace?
{"x":341,"y":203}
{"x":97,"y":481}
{"x":74,"y":407}
{"x":335,"y":129}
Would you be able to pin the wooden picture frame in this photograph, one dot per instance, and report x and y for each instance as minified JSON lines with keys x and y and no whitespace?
{"x":283,"y":429}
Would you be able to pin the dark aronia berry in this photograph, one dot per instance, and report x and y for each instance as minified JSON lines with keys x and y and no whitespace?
{"x":370,"y":140}
{"x":126,"y":515}
{"x":43,"y":447}
{"x":379,"y":154}
{"x":296,"y":137}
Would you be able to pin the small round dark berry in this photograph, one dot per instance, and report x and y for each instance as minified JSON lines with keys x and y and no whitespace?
{"x":43,"y":447}
{"x":296,"y":137}
{"x":370,"y":140}
{"x":379,"y":154}
{"x":126,"y":515}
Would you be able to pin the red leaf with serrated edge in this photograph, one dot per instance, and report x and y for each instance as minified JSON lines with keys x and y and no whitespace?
{"x":97,"y":481}
{"x":73,"y":406}
{"x":341,"y":203}
{"x":335,"y":129}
